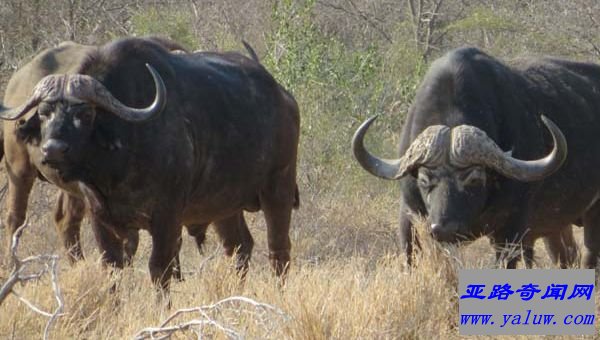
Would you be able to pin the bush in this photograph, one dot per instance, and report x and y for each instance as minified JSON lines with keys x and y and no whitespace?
{"x":172,"y":23}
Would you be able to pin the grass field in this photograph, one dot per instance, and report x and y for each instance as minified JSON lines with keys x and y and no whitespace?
{"x":347,"y":281}
{"x":343,"y":60}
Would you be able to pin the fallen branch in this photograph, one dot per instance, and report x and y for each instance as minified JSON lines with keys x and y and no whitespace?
{"x":50,"y":265}
{"x":261,"y":311}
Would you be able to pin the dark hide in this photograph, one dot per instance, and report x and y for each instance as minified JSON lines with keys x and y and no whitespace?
{"x":467,"y":86}
{"x":23,"y":137}
{"x":226,"y":141}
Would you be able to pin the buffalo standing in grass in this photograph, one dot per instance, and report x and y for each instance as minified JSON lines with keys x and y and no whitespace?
{"x":479,"y":158}
{"x":70,"y":209}
{"x":220,"y":136}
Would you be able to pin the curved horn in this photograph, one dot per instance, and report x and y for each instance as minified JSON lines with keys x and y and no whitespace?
{"x":471,"y":145}
{"x":103,"y":98}
{"x":17,"y":112}
{"x":428,"y":148}
{"x":49,"y":87}
{"x":384,"y":168}
{"x":84,"y":87}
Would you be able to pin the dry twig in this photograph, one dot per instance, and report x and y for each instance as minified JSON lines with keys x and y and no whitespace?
{"x":18,"y":274}
{"x":261,"y":312}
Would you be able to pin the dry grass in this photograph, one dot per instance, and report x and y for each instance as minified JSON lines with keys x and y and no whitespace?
{"x":348,"y":279}
{"x":347,"y":282}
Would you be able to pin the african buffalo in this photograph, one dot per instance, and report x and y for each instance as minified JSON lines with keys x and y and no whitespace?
{"x":69,"y":210}
{"x":219,"y":136}
{"x":69,"y":213}
{"x":479,"y":157}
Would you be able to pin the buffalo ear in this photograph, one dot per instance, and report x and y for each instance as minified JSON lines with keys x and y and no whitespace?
{"x":29,"y":131}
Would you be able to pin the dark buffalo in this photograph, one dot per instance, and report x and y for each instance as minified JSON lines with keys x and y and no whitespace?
{"x":478,"y":157}
{"x":69,"y":210}
{"x":219,"y":136}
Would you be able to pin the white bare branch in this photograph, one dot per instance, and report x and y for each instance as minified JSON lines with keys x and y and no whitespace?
{"x":260,"y":311}
{"x":57,"y":295}
{"x":32,"y":306}
{"x":50,"y":266}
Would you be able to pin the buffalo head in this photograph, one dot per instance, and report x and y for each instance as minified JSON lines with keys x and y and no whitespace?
{"x":451,"y":167}
{"x":66,"y":110}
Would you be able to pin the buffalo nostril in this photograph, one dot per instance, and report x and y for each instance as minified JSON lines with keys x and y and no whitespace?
{"x":437,"y":231}
{"x":54,"y":149}
{"x":444,"y":232}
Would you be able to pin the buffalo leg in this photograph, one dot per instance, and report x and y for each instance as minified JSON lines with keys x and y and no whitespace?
{"x":506,"y":257}
{"x":528,"y":254}
{"x":562,"y":248}
{"x":20,"y":180}
{"x":513,"y":241}
{"x":236,"y":239}
{"x":110,"y":245}
{"x":165,"y":247}
{"x":509,"y":253}
{"x":277,"y":202}
{"x":198,"y":232}
{"x":68,"y":214}
{"x":591,"y":236}
{"x":512,"y":254}
{"x":130,"y":245}
{"x":104,"y":228}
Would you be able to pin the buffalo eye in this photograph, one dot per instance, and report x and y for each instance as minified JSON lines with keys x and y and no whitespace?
{"x":45,"y":109}
{"x":473,"y":176}
{"x":425,"y":179}
{"x":82,"y":114}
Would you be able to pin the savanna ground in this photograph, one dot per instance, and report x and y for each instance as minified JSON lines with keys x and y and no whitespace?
{"x":343,"y":60}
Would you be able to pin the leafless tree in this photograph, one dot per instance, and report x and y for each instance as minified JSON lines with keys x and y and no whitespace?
{"x":20,"y":274}
{"x":266,"y":315}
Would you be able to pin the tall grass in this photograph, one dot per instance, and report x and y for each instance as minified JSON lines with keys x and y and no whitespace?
{"x":366,"y":294}
{"x":348,"y":278}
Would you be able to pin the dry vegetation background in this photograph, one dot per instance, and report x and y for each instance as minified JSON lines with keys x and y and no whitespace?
{"x":343,"y":60}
